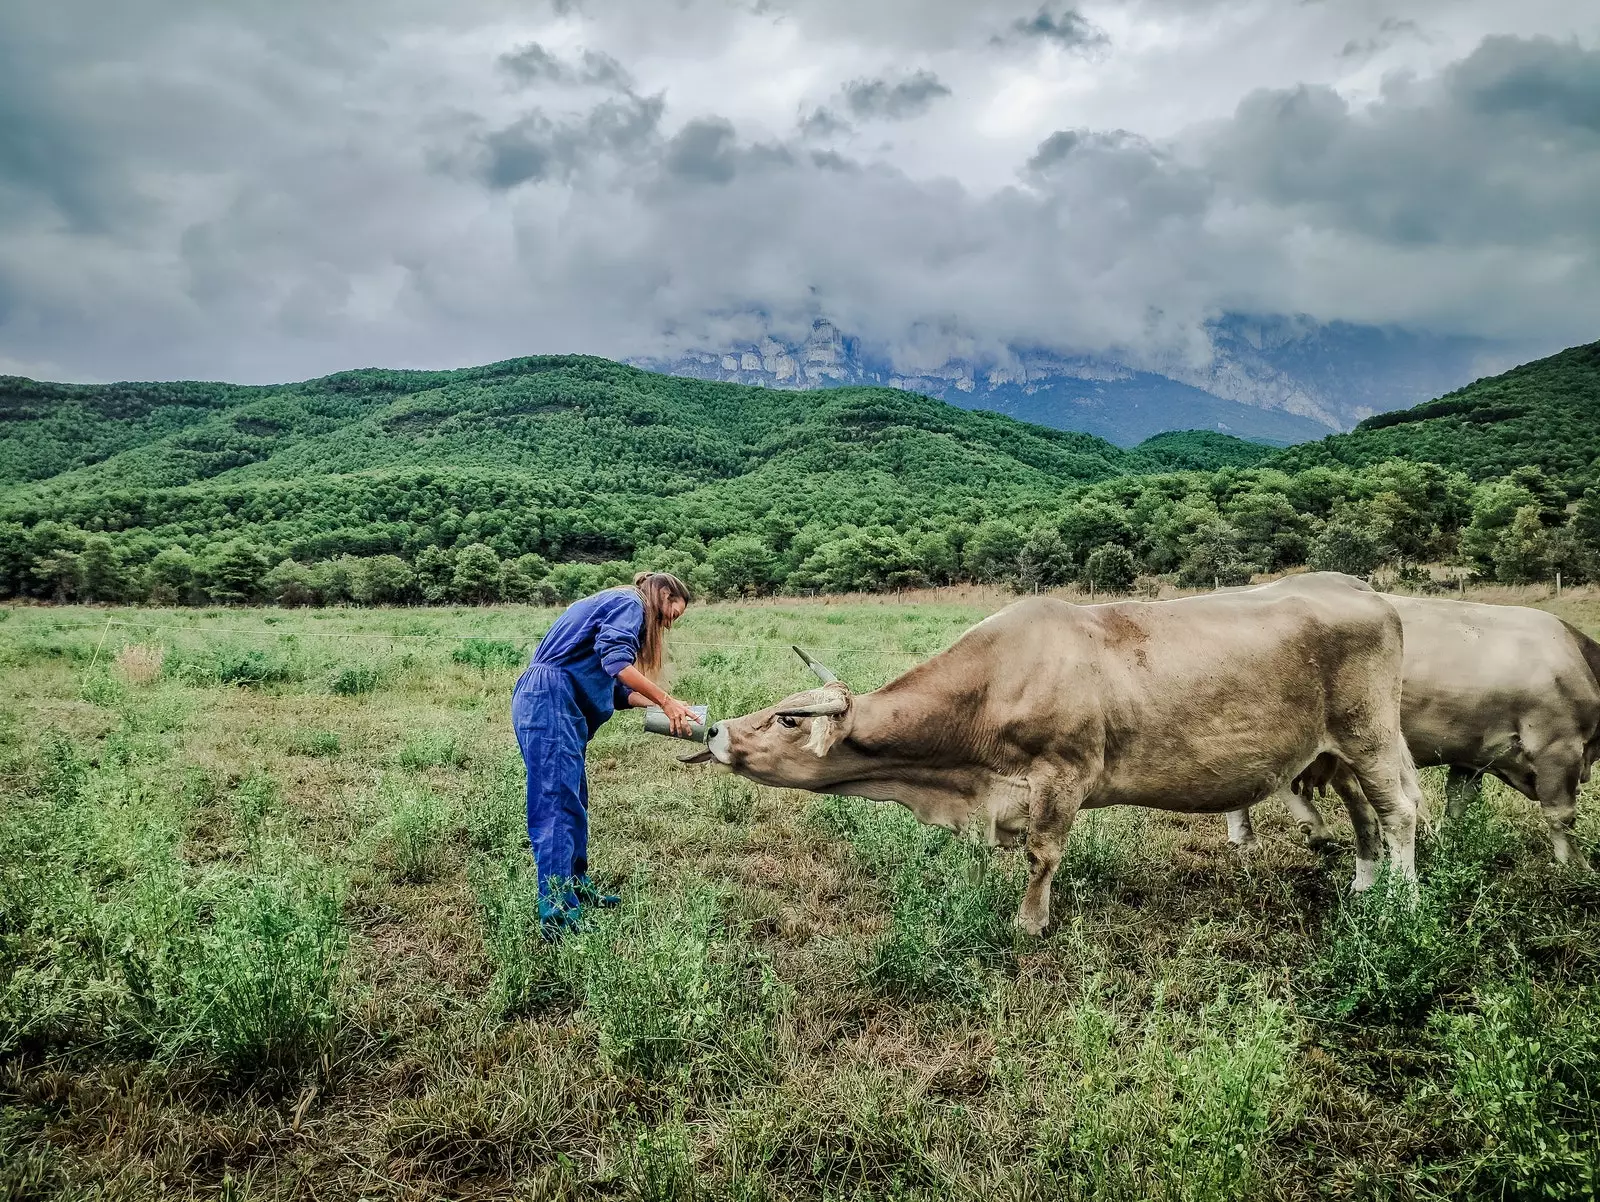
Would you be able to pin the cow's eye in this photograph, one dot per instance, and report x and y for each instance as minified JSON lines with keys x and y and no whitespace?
{"x":786,"y":720}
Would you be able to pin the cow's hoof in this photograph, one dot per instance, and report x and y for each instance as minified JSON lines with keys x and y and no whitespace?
{"x":1247,"y":846}
{"x":1322,"y":843}
{"x":1029,"y":925}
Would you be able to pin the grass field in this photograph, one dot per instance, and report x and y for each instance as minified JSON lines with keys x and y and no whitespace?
{"x":267,"y":931}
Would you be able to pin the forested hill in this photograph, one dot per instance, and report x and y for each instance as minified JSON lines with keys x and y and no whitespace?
{"x":546,"y":477}
{"x":587,"y":423}
{"x":1544,"y":414}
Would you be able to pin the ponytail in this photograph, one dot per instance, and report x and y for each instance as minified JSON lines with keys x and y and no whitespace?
{"x":655,"y":589}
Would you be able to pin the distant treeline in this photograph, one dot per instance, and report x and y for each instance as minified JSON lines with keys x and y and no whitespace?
{"x":404,"y":541}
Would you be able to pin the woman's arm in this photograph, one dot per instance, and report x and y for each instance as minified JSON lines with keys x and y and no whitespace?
{"x":640,"y":685}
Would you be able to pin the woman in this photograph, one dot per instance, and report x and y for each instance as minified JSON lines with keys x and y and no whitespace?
{"x":602,"y":652}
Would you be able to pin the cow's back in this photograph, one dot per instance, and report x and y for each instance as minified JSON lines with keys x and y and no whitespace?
{"x":1201,"y":703}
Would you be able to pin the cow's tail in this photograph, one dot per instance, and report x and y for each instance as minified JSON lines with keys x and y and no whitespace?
{"x":1591,"y":656}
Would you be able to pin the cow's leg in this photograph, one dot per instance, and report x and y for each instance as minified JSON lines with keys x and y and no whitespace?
{"x":1310,"y":820}
{"x":1364,"y":821}
{"x":1389,"y":781}
{"x":1556,"y":779}
{"x":1462,"y":788}
{"x":1052,"y":806}
{"x":1240,"y":831}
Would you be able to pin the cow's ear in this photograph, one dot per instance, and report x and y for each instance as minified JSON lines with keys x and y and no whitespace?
{"x":827,"y":730}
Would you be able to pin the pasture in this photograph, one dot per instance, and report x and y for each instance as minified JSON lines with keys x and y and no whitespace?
{"x":267,"y":930}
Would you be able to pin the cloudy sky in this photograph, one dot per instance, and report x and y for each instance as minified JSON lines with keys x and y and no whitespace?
{"x":274,"y":189}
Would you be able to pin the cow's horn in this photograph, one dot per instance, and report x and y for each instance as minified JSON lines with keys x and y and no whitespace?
{"x":822,"y":674}
{"x":818,"y":703}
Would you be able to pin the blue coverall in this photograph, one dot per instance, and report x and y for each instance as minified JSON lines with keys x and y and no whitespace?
{"x":568,"y":690}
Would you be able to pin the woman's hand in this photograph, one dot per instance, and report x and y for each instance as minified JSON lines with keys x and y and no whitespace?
{"x":679,"y":716}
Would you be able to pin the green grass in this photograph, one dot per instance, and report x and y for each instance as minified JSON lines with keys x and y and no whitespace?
{"x":261,"y":938}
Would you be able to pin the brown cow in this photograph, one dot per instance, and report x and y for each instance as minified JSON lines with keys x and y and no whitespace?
{"x":1499,"y":689}
{"x":1202,"y":704}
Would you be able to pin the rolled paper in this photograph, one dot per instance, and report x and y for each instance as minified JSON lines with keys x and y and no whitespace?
{"x":655,"y":721}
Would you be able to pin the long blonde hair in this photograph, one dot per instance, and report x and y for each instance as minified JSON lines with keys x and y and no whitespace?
{"x":655,"y":589}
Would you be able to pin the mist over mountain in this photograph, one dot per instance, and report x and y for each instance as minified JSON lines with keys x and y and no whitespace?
{"x":1272,"y":379}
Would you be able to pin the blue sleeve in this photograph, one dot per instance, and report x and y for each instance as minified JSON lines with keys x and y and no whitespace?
{"x":616,"y":641}
{"x":619,"y":695}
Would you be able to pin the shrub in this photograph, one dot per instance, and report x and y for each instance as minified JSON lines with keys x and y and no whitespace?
{"x":1389,"y":954}
{"x":102,"y":689}
{"x":256,"y":797}
{"x":488,"y":654}
{"x":109,"y":940}
{"x":140,"y":664}
{"x":257,"y":986}
{"x":671,"y":992}
{"x":229,"y":664}
{"x":1523,"y":1073}
{"x":354,"y":680}
{"x":419,"y":821}
{"x":1229,"y":1091}
{"x":432,"y":749}
{"x":495,"y":810}
{"x":950,"y":908}
{"x":733,"y":799}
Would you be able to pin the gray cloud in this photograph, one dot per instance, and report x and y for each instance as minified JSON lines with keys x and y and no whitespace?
{"x":270,"y":193}
{"x":1390,"y":29}
{"x":870,"y":99}
{"x":1069,"y":28}
{"x":703,"y":150}
{"x":534,"y":64}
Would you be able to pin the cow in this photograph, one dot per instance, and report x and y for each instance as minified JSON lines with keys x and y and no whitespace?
{"x":1202,"y":704}
{"x":1505,"y":690}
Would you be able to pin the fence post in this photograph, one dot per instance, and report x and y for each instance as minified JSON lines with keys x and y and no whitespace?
{"x":1558,"y":585}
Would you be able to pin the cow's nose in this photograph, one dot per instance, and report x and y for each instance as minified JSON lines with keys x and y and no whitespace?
{"x":711,"y":731}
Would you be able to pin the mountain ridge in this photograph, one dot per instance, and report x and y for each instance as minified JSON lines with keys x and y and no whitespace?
{"x":1270,"y":379}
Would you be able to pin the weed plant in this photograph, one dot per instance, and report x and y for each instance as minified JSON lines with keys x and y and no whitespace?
{"x":489,"y":655}
{"x":432,"y":749}
{"x":674,"y":995}
{"x":419,"y":829}
{"x":1525,"y":1069}
{"x":316,"y":744}
{"x":354,"y":680}
{"x":951,"y":906}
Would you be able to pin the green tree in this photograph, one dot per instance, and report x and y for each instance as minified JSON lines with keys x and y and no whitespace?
{"x":1092,"y":523}
{"x":740,"y":565}
{"x":1522,"y":553}
{"x":101,"y":570}
{"x":1109,"y":569}
{"x":522,"y":579}
{"x":1586,"y":519}
{"x":991,"y":551}
{"x":477,"y":574}
{"x":334,"y":580}
{"x":289,"y":583}
{"x":937,"y":556}
{"x":436,"y":569}
{"x":1211,"y":554}
{"x":170,"y":576}
{"x":1044,"y":561}
{"x":232,"y":573}
{"x":384,"y":580}
{"x":1345,"y":544}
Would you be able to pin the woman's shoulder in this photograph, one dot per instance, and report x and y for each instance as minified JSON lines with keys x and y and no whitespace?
{"x":618,"y":601}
